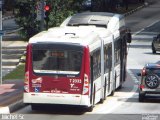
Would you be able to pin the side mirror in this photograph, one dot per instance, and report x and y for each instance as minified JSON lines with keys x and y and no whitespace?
{"x":138,"y":74}
{"x":128,"y":37}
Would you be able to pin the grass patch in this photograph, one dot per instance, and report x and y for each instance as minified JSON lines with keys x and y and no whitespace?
{"x":17,"y":73}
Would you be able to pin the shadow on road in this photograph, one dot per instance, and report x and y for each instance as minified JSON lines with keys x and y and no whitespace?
{"x":140,"y":46}
{"x":150,"y":53}
{"x":59,"y":109}
{"x":148,"y":99}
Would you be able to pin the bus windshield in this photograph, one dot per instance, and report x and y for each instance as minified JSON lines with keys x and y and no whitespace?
{"x":57,"y":61}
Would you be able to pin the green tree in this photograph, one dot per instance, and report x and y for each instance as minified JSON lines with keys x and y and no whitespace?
{"x":8,"y":4}
{"x":98,"y":5}
{"x":25,"y":17}
{"x":25,"y":14}
{"x":61,"y":9}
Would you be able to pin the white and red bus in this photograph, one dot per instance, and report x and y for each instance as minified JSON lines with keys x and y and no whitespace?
{"x":78,"y":66}
{"x":115,"y":24}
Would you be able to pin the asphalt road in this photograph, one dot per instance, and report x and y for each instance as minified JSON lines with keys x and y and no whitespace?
{"x":9,"y":25}
{"x":124,"y":104}
{"x":144,"y":17}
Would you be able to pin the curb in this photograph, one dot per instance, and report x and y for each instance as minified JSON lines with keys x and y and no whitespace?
{"x":13,"y":31}
{"x":12,"y":107}
{"x":138,"y":8}
{"x":16,"y":106}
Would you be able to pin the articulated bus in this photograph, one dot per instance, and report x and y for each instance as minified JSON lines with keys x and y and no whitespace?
{"x":115,"y":23}
{"x":74,"y":65}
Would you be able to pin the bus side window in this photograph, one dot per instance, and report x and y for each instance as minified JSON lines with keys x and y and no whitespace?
{"x":110,"y":57}
{"x":91,"y":67}
{"x":106,"y":58}
{"x":96,"y":64}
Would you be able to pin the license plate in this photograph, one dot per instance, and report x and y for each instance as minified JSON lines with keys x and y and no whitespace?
{"x":149,"y":89}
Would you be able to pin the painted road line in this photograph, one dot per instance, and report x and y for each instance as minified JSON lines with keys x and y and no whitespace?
{"x":144,"y":28}
{"x":111,"y":103}
{"x":4,"y":110}
{"x":136,"y":81}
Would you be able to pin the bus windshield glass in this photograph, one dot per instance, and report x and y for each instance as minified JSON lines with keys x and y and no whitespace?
{"x":57,"y":61}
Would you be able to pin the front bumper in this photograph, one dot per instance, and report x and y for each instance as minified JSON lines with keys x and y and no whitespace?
{"x":150,"y":91}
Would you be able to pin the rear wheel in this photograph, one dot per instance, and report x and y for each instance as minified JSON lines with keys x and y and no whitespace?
{"x":112,"y":93}
{"x":141,"y":97}
{"x":153,"y":49}
{"x":90,"y":109}
{"x":104,"y":95}
{"x":114,"y":87}
{"x":152,"y":81}
{"x":35,"y":107}
{"x":108,"y":90}
{"x":105,"y":88}
{"x":120,"y":87}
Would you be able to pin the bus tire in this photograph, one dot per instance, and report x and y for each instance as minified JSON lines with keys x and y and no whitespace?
{"x":120,"y":87}
{"x":35,"y":107}
{"x":105,"y":88}
{"x":122,"y":78}
{"x":112,"y":93}
{"x":124,"y":73}
{"x":108,"y":86}
{"x":104,"y":94}
{"x":141,"y":97}
{"x":90,"y":109}
{"x":114,"y":87}
{"x":153,"y":49}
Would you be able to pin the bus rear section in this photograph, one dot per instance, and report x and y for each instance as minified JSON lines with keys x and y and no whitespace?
{"x":57,"y":73}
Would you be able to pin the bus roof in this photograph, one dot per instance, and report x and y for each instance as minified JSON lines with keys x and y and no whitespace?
{"x":99,"y":19}
{"x":79,"y":35}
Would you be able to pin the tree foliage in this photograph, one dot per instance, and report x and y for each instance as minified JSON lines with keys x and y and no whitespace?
{"x":8,"y":4}
{"x":26,"y":13}
{"x":25,"y":17}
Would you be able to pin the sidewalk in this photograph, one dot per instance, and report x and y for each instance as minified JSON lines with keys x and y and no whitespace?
{"x":11,"y":90}
{"x":11,"y":96}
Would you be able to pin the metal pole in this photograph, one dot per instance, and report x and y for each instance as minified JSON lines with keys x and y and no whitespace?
{"x":0,"y":42}
{"x":42,"y":15}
